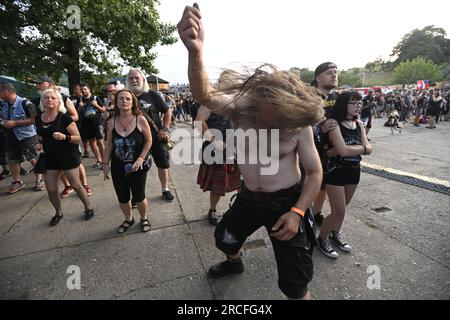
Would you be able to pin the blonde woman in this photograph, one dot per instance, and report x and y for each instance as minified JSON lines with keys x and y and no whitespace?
{"x":60,"y":137}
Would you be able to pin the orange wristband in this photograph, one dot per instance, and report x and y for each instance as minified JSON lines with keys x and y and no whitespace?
{"x":301,"y":213}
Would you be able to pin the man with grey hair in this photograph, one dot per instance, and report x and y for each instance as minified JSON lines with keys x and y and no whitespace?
{"x":153,"y":105}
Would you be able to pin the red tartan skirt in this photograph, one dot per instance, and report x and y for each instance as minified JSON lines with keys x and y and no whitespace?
{"x":218,"y":178}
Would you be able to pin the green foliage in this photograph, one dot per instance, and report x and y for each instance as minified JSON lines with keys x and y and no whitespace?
{"x":306,"y":75}
{"x":409,"y":72}
{"x":378,"y":65}
{"x":351,"y":77}
{"x":445,"y":71}
{"x":430,"y":43}
{"x":113,"y":33}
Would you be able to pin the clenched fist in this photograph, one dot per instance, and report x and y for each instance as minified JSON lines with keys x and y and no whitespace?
{"x":190,"y":29}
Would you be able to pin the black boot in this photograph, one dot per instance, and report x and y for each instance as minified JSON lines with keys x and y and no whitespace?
{"x":226,"y":267}
{"x":212,"y":217}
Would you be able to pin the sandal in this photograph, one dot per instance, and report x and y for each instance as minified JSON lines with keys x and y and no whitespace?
{"x":125,"y":225}
{"x":145,"y":225}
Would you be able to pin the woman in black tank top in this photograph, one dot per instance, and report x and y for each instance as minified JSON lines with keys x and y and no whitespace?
{"x":128,"y":142}
{"x":348,"y":141}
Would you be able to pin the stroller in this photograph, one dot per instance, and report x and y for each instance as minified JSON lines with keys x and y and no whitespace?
{"x":392,"y":122}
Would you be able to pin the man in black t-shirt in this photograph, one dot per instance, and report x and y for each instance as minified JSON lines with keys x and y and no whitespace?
{"x":366,"y":111}
{"x":325,"y":80}
{"x":153,"y":105}
{"x":90,"y":110}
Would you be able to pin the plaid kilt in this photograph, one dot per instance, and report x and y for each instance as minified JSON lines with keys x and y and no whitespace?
{"x":218,"y":178}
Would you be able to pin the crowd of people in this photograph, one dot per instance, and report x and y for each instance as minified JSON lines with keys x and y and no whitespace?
{"x":323,"y":134}
{"x":427,"y":106}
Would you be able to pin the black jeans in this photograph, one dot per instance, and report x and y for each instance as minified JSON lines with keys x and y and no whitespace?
{"x":249,"y":212}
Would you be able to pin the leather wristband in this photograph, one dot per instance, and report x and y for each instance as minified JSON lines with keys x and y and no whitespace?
{"x":68,"y":137}
{"x":298,"y":211}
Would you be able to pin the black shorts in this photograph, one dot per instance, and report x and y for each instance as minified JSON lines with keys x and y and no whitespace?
{"x":249,"y":212}
{"x":20,"y":150}
{"x":89,"y":132}
{"x":160,"y":154}
{"x":342,"y":176}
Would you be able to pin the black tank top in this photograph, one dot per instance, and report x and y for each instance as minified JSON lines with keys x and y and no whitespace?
{"x":216,"y":121}
{"x":127,"y":149}
{"x":351,"y":137}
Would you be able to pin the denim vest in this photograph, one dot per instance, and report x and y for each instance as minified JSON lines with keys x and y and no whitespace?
{"x":18,"y":113}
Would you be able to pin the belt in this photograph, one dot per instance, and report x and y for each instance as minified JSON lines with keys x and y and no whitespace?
{"x":283,"y":193}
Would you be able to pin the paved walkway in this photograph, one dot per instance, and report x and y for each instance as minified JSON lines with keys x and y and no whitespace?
{"x":398,"y":231}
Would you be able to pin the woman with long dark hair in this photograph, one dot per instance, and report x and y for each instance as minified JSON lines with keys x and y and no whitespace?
{"x":341,"y":168}
{"x":127,"y":146}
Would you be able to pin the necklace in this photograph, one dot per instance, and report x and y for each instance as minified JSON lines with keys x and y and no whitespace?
{"x":125,"y":127}
{"x":350,"y":124}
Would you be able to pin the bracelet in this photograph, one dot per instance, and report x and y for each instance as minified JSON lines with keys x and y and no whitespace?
{"x":165,"y":129}
{"x":141,"y":158}
{"x":68,"y":137}
{"x":298,"y":211}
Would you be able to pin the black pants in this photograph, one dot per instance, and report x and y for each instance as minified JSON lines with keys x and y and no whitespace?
{"x":2,"y":147}
{"x":249,"y":212}
{"x":124,"y":182}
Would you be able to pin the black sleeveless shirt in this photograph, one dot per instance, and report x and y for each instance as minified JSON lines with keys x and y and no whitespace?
{"x":351,"y":137}
{"x":127,"y":149}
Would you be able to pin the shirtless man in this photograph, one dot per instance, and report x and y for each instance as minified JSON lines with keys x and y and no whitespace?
{"x":265,"y":100}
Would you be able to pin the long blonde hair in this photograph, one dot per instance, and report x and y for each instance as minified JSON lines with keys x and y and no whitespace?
{"x":294,"y":104}
{"x":61,"y":107}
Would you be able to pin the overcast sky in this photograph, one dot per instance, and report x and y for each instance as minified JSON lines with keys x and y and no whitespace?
{"x":294,"y":33}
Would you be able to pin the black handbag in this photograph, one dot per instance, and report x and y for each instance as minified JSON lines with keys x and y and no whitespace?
{"x":39,"y":167}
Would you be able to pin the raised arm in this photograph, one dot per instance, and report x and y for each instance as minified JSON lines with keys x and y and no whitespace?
{"x":191,"y":32}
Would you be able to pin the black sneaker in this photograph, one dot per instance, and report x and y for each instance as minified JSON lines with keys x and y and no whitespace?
{"x":336,"y":238}
{"x":4,"y":174}
{"x":212,"y":217}
{"x":86,"y":154}
{"x":318,"y":219}
{"x":226,"y":267}
{"x":89,"y":214}
{"x":326,"y":248}
{"x":55,"y":220}
{"x":167,"y":195}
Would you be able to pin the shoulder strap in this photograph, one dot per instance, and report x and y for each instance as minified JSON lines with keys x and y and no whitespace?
{"x":150,"y":121}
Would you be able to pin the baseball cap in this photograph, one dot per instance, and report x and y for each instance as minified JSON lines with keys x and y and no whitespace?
{"x":44,"y":79}
{"x":322,"y":68}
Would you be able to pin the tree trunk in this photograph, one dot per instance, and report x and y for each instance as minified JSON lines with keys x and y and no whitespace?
{"x":73,"y":66}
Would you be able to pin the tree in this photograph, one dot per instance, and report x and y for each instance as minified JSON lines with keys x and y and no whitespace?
{"x":351,"y":77}
{"x":430,"y":43}
{"x":306,"y":75}
{"x":409,"y":72}
{"x":378,"y":65}
{"x":79,"y":37}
